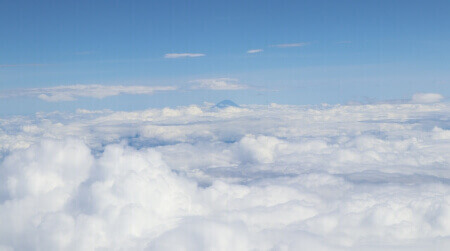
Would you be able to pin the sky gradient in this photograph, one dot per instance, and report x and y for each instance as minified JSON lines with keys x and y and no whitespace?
{"x":289,"y":52}
{"x":225,"y":125}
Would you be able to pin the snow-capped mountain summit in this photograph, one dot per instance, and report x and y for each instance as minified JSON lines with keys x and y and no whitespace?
{"x":226,"y":103}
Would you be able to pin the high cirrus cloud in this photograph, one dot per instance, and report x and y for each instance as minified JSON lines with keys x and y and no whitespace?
{"x":253,"y":177}
{"x":72,"y":92}
{"x":291,"y":45}
{"x":183,"y":55}
{"x":254,"y":51}
{"x":218,"y":84}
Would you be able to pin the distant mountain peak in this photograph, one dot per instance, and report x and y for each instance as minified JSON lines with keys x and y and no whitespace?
{"x":226,"y":103}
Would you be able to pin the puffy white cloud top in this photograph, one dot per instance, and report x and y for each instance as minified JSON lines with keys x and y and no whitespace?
{"x":356,"y":177}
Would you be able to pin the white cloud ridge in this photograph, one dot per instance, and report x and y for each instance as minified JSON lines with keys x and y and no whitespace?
{"x":254,"y":177}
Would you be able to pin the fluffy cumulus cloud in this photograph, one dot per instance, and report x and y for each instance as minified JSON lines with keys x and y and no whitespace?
{"x":277,"y":177}
{"x":217,"y":84}
{"x":72,"y":92}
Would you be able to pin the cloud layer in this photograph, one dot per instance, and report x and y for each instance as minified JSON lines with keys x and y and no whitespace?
{"x":72,"y":92}
{"x":277,"y":177}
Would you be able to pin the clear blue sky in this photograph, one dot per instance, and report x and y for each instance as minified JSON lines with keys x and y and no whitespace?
{"x":354,"y":50}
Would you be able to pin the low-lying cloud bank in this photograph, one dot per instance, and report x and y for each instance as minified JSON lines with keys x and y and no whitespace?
{"x":73,"y":92}
{"x":356,"y":177}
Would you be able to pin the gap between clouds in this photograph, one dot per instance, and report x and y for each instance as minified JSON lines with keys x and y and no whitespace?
{"x":290,"y":45}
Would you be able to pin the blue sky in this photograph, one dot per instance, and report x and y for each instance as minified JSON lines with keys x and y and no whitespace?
{"x":312,"y":51}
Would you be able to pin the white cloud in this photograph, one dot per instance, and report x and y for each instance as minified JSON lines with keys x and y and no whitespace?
{"x":426,"y":98}
{"x":277,"y":177}
{"x":183,"y":55}
{"x":72,"y":92}
{"x":254,"y":51}
{"x":291,"y":45}
{"x":217,"y":84}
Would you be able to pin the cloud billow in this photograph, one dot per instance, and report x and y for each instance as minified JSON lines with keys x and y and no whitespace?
{"x":263,"y":177}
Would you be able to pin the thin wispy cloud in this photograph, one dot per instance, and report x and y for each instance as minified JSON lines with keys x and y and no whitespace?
{"x":73,"y":92}
{"x":254,"y":51}
{"x":217,"y":84}
{"x":426,"y":98}
{"x":290,"y":45}
{"x":183,"y":55}
{"x":19,"y":65}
